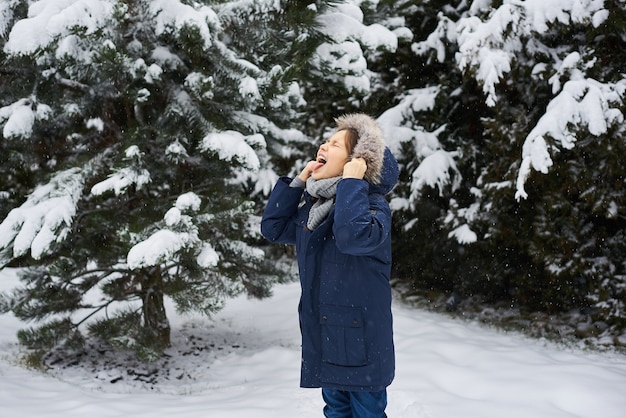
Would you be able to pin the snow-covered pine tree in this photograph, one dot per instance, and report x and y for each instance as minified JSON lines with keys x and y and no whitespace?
{"x":541,"y":190}
{"x":554,"y":83}
{"x":429,"y":115}
{"x":136,"y":137}
{"x":338,"y":79}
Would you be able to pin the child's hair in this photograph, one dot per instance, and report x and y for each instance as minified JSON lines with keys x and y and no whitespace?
{"x":352,"y":137}
{"x":365,"y":140}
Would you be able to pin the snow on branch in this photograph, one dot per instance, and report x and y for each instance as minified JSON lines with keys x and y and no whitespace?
{"x":344,"y":61}
{"x":51,"y":20}
{"x":446,"y":30}
{"x":463,"y":234}
{"x":459,"y":220}
{"x":6,"y":14}
{"x":487,"y":48}
{"x":124,"y":177}
{"x":345,"y":22}
{"x":343,"y":57}
{"x":45,"y":217}
{"x":258,"y":123}
{"x":20,"y":117}
{"x":583,"y":104}
{"x":173,"y":15}
{"x":180,"y":233}
{"x":159,"y":248}
{"x":234,"y":146}
{"x":392,"y":121}
{"x":285,"y":142}
{"x":121,"y":180}
{"x":436,"y":170}
{"x":244,"y":251}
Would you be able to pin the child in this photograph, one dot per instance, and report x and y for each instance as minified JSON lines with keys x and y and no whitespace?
{"x":343,"y":245}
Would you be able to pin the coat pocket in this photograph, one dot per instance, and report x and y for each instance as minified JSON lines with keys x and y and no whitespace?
{"x":343,"y":335}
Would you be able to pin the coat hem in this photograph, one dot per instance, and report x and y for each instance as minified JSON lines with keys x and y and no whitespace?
{"x":346,"y":388}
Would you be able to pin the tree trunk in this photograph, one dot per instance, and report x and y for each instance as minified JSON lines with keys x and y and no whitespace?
{"x":155,"y":320}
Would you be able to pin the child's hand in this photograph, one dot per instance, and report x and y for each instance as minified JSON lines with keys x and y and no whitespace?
{"x":354,"y":169}
{"x":306,"y":172}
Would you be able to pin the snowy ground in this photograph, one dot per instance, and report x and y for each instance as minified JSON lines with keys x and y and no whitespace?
{"x":245,"y":363}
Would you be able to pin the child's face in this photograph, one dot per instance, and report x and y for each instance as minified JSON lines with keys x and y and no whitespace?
{"x":331,"y":157}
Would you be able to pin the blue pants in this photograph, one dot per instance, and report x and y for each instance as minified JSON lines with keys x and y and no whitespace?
{"x":343,"y":404}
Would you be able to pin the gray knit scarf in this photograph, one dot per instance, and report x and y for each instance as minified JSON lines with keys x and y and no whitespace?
{"x":324,"y":190}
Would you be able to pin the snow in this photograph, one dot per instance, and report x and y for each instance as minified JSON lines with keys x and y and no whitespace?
{"x":208,"y":257}
{"x":174,"y":14}
{"x":151,"y":73}
{"x":392,"y":122}
{"x":160,"y":246}
{"x":96,"y":123}
{"x":20,"y":118}
{"x":20,"y":123}
{"x":463,"y":234}
{"x":436,"y":170}
{"x":581,"y":102}
{"x":44,"y":218}
{"x":6,"y":14}
{"x":346,"y":60}
{"x":490,"y":38}
{"x":48,"y":19}
{"x":248,"y":88}
{"x":121,"y":180}
{"x":488,"y":48}
{"x":446,"y":367}
{"x":245,"y":363}
{"x":164,"y":243}
{"x":232,"y":145}
{"x":188,"y":201}
{"x":345,"y":22}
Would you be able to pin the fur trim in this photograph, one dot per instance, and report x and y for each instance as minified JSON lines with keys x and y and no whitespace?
{"x":370,"y":145}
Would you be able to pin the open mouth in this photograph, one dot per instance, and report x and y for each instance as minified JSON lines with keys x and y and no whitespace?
{"x":321,"y":160}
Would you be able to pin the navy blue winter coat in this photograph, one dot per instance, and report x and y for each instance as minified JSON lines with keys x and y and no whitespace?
{"x":344,"y":266}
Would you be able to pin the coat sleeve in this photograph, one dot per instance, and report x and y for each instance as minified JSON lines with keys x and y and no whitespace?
{"x":277,"y":223}
{"x":362,"y":221}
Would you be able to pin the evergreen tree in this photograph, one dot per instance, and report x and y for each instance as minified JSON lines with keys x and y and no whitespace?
{"x":528,"y":110}
{"x":431,"y":117}
{"x":137,"y":134}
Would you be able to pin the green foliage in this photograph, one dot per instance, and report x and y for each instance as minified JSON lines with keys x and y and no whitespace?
{"x":125,"y":154}
{"x":562,"y":247}
{"x":51,"y":334}
{"x":126,"y":332}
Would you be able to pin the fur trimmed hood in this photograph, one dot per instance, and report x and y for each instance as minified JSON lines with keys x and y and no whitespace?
{"x":370,"y":145}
